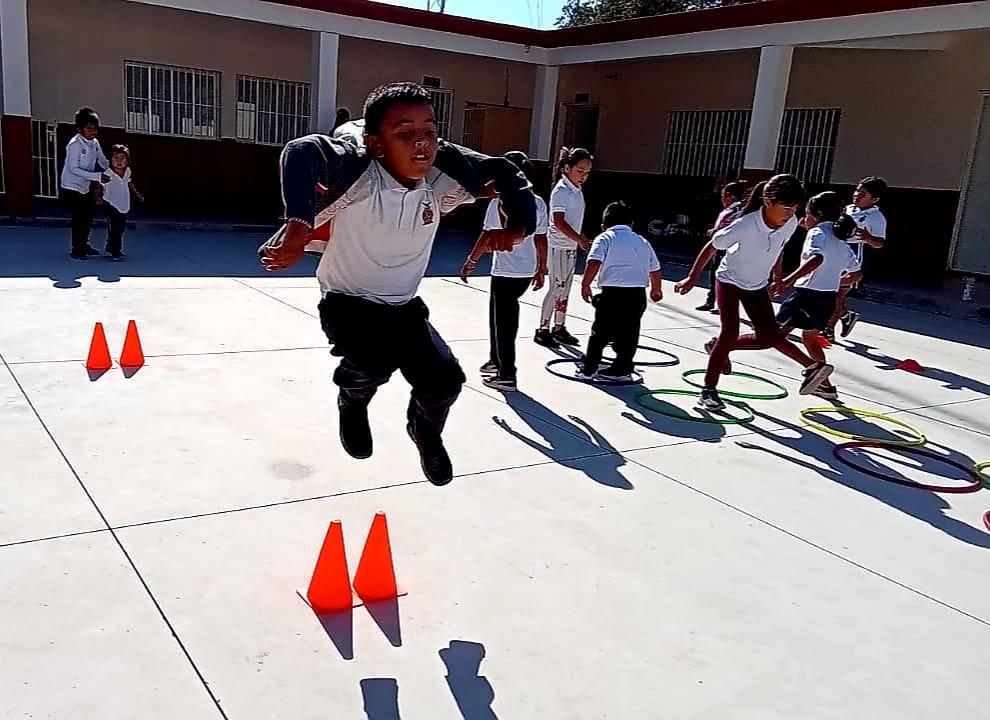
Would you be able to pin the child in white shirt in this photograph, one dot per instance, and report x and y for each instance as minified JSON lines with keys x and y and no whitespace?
{"x":85,"y":164}
{"x":117,"y":190}
{"x":624,"y":264}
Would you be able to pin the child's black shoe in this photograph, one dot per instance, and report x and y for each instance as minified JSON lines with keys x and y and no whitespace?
{"x":433,"y":457}
{"x":355,"y":433}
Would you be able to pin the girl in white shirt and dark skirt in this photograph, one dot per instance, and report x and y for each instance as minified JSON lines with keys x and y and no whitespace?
{"x":752,"y":245}
{"x":117,"y":189}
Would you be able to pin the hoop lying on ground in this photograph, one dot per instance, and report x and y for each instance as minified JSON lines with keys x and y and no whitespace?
{"x":974,"y":486}
{"x":918,"y":439}
{"x":782,"y":391}
{"x":984,"y":477}
{"x":637,"y":377}
{"x":645,"y":348}
{"x":694,"y":418}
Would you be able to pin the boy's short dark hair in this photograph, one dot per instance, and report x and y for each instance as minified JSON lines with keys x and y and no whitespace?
{"x":120,"y":149}
{"x":875,"y":186}
{"x":86,"y":116}
{"x":617,"y":213}
{"x":521,"y":161}
{"x":385,"y":96}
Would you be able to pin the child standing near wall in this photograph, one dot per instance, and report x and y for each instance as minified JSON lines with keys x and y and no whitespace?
{"x":85,"y":164}
{"x":512,"y":272}
{"x":564,"y":235}
{"x":117,"y":190}
{"x":732,"y":196}
{"x":624,"y":264}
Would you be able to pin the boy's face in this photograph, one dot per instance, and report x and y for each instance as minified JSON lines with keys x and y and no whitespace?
{"x":862,"y":199}
{"x":90,"y":131}
{"x":406,"y":145}
{"x":119,"y":161}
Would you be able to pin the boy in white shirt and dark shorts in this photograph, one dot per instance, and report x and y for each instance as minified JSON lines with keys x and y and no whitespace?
{"x":624,"y":264}
{"x":85,"y":164}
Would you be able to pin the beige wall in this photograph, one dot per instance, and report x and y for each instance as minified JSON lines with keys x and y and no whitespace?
{"x":78,"y":49}
{"x":632,"y":123}
{"x":907,"y":115}
{"x":365,"y":64}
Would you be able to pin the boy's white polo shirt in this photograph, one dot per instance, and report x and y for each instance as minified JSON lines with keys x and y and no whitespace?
{"x":627,"y":258}
{"x":566,"y":198}
{"x":838,"y":259}
{"x":521,"y":261}
{"x":872,"y":220}
{"x":381,"y":242}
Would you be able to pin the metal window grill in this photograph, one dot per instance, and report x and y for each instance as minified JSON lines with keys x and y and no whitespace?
{"x":165,"y":100}
{"x":807,"y":143}
{"x":443,"y":105}
{"x":45,"y":157}
{"x":706,"y":142}
{"x":272,"y":112}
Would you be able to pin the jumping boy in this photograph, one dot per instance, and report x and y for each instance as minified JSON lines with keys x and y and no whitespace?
{"x":85,"y":164}
{"x":385,"y":200}
{"x":624,"y":264}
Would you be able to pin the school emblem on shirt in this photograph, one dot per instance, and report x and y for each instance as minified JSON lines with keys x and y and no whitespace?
{"x":427,"y":213}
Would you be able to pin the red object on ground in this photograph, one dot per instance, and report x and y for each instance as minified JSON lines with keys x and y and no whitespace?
{"x":375,"y":576}
{"x":132,"y":355}
{"x":330,"y":589}
{"x":99,"y":353}
{"x":823,"y":342}
{"x":910,"y":366}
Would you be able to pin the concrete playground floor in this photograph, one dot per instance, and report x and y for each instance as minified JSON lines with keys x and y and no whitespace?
{"x":592,"y":559}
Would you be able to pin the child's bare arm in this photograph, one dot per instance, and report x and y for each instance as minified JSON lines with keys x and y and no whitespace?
{"x":481,"y":246}
{"x":656,"y":286}
{"x":590,"y":273}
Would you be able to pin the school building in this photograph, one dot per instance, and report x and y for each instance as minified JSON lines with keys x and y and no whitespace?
{"x":206,"y":91}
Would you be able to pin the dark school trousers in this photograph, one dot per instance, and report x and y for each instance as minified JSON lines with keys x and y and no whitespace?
{"x":618,"y":312}
{"x":116,"y":224}
{"x":82,"y":208}
{"x":503,"y":322}
{"x":374,"y":340}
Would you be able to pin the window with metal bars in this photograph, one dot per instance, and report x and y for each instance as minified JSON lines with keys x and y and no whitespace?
{"x":807,"y":143}
{"x":165,"y":100}
{"x":443,"y":106}
{"x":44,"y":156}
{"x":272,"y":112}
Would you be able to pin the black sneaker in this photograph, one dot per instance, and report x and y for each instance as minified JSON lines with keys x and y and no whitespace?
{"x":90,"y":250}
{"x":500,"y":383}
{"x":610,"y":374}
{"x":584,"y":375}
{"x":544,"y":338}
{"x":355,"y":433}
{"x":563,"y":337}
{"x":826,"y":392}
{"x":709,"y":346}
{"x":815,"y":376}
{"x":79,"y":255}
{"x":829,"y":334}
{"x":489,"y":368}
{"x":710,"y":401}
{"x":848,"y":321}
{"x":433,"y":458}
{"x":707,"y":307}
{"x":118,"y":257}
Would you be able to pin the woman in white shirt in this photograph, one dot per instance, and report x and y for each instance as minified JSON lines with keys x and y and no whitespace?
{"x":564,"y":238}
{"x":752,"y":245}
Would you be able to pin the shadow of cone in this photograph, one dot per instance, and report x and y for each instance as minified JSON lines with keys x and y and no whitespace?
{"x":910,"y":366}
{"x":98,"y":361}
{"x":132,"y":355}
{"x":375,"y":577}
{"x":330,"y":588}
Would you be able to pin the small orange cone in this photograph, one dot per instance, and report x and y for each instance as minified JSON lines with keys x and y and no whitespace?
{"x":99,"y":352}
{"x":823,"y":342}
{"x":375,"y":577}
{"x":132,"y":355}
{"x":910,"y":365}
{"x":330,"y":589}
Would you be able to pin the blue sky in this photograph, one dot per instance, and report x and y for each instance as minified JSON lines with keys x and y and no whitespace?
{"x":514,"y":12}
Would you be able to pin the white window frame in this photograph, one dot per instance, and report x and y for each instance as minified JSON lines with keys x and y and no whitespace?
{"x":253,"y":121}
{"x":179,"y":127}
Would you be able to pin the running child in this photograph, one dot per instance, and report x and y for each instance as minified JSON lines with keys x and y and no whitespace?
{"x":385,"y":199}
{"x":753,"y":244}
{"x":872,"y":231}
{"x":827,"y":261}
{"x":117,"y":190}
{"x":732,"y":196}
{"x":624,"y":264}
{"x":512,"y":272}
{"x":564,"y":235}
{"x":85,"y":164}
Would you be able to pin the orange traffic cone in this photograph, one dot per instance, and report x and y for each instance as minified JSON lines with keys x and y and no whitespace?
{"x":910,"y":365}
{"x":823,"y":342}
{"x":375,"y":577}
{"x":132,"y":355}
{"x":99,"y":352}
{"x":330,"y":588}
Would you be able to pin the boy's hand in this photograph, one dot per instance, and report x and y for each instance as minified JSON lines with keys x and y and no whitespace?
{"x":539,"y":278}
{"x":778,"y":287}
{"x":504,"y":240}
{"x":656,"y":294}
{"x":104,"y":178}
{"x":685,"y":286}
{"x":289,"y":250}
{"x":585,"y":244}
{"x":586,"y":292}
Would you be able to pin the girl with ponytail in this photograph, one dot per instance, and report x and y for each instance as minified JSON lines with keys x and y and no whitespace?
{"x":564,"y":238}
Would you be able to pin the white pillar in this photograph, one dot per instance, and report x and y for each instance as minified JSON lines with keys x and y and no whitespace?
{"x":14,"y":58}
{"x":324,"y":74}
{"x":768,"y":107}
{"x":544,"y":112}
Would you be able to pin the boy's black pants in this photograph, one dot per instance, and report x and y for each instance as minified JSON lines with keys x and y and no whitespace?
{"x":618,"y":311}
{"x":82,"y":207}
{"x":116,"y":224}
{"x":503,"y":322}
{"x":375,"y":340}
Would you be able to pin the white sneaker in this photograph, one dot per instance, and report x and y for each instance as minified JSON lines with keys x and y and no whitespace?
{"x":815,"y":376}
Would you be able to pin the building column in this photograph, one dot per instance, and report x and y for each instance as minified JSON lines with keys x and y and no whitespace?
{"x":768,"y":111}
{"x":544,"y":112}
{"x":324,"y":79}
{"x":15,"y":129}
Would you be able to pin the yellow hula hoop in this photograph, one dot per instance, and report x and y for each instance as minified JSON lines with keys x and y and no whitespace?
{"x":919,"y":438}
{"x":979,"y":468}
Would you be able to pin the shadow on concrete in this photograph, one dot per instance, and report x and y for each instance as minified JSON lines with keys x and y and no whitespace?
{"x":381,"y":698}
{"x":385,"y":613}
{"x":950,"y":380}
{"x":339,"y":626}
{"x":472,"y":692}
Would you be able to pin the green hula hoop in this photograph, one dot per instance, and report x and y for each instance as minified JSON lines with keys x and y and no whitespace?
{"x":782,"y":391}
{"x":979,"y":468}
{"x":918,"y":439}
{"x":691,"y":418}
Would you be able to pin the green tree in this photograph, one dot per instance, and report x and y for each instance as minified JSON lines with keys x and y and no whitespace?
{"x":586,"y":12}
